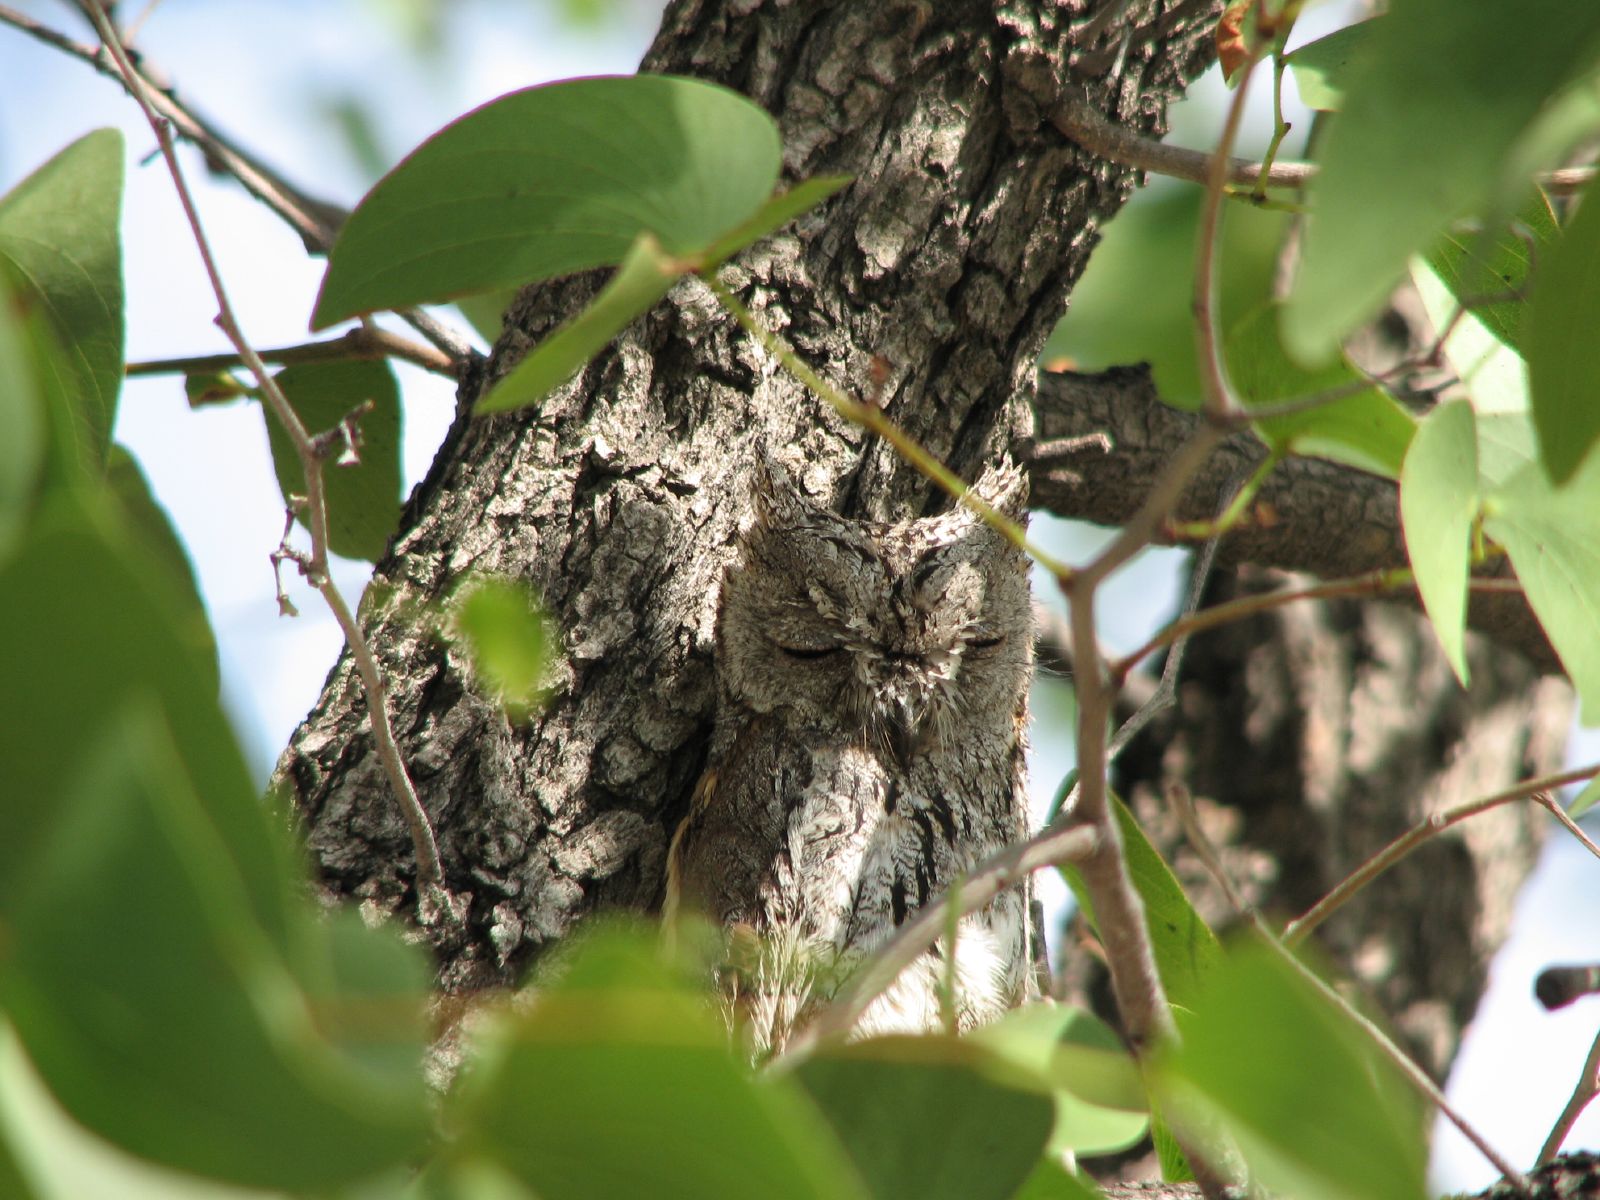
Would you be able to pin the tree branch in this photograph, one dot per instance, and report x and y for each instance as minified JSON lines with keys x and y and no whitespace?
{"x":1321,"y":518}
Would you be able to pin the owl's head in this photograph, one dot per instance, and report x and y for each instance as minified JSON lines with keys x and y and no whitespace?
{"x":893,"y":635}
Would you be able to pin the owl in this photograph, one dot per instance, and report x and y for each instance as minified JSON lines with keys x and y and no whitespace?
{"x":868,"y":751}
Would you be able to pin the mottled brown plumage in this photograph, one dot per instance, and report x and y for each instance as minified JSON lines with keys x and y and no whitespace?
{"x":868,"y":750}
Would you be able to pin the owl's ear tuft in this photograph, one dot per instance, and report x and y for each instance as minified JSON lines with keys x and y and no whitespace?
{"x":775,"y":500}
{"x":1004,"y":487}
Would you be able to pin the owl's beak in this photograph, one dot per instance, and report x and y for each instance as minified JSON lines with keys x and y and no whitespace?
{"x":906,"y":734}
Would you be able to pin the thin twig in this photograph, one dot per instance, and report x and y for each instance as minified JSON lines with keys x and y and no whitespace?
{"x":1372,"y":583}
{"x":1182,"y":803}
{"x":1071,"y":843}
{"x":1585,"y":1090}
{"x":430,"y":873}
{"x":316,"y":221}
{"x":1549,"y":803}
{"x":1296,"y":931}
{"x":1415,"y":1074}
{"x":1085,"y":125}
{"x":360,"y":343}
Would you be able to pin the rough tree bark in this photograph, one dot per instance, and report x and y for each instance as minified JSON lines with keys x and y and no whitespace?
{"x":933,"y":281}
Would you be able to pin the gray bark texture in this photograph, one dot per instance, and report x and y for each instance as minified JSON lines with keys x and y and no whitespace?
{"x":930,"y":284}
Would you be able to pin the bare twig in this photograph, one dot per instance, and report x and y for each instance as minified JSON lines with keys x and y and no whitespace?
{"x":430,"y":874}
{"x":1535,"y":789}
{"x":1182,"y":803}
{"x":1085,"y":125}
{"x":362,"y":342}
{"x":1585,"y":1090}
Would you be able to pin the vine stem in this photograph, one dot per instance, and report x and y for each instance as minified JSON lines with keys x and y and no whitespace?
{"x":430,"y":873}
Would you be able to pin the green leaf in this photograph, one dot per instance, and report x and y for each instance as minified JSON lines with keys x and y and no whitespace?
{"x":1585,"y":799}
{"x":774,"y":215}
{"x":1553,"y":537}
{"x":1563,"y":352}
{"x":215,"y":387}
{"x":1478,"y":266}
{"x":504,"y":633}
{"x":363,"y":496}
{"x":551,"y":180}
{"x":618,"y":1083}
{"x":165,"y":551}
{"x":143,"y":819}
{"x":1367,"y":429}
{"x":1432,"y":107}
{"x":485,"y":311}
{"x":1152,"y":240}
{"x":1050,"y":1181}
{"x":1315,"y":1111}
{"x":1438,"y":503}
{"x":1185,"y":948}
{"x":22,"y":417}
{"x":643,"y":278}
{"x":1322,"y":67}
{"x":1074,"y":1057}
{"x":59,"y":236}
{"x":924,"y":1120}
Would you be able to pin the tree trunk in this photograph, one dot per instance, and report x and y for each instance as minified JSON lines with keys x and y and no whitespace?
{"x":930,"y":284}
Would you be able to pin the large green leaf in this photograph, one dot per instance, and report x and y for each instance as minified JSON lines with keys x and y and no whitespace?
{"x":173,"y":989}
{"x":1366,"y":429}
{"x":924,"y":1120}
{"x":1486,"y":271}
{"x":1322,"y":68}
{"x":1563,"y":351}
{"x":551,"y":180}
{"x":363,"y":496}
{"x":59,"y":236}
{"x":1553,"y":537}
{"x":1432,"y":106}
{"x":22,"y":417}
{"x":1135,"y":302}
{"x":619,"y":1083}
{"x":1080,"y":1062}
{"x":1438,"y":503}
{"x":1315,"y":1111}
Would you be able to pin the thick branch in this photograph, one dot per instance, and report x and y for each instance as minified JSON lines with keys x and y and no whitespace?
{"x":1322,"y":518}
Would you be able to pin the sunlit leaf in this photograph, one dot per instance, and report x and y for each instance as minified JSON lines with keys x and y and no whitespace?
{"x":60,"y":237}
{"x":1487,"y":271}
{"x":1321,"y":67}
{"x":504,"y":632}
{"x":1553,"y":537}
{"x":551,"y":180}
{"x":1438,"y":502}
{"x":1432,"y":107}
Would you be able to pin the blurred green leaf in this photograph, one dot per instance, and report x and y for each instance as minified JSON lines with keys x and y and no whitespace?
{"x":167,"y":555}
{"x":171,"y":986}
{"x":1076,"y":1058}
{"x":1135,"y":302}
{"x":1553,"y":537}
{"x":1563,"y":351}
{"x":1432,"y":107}
{"x":551,"y":180}
{"x":1050,"y":1181}
{"x":363,"y":497}
{"x":22,"y":416}
{"x":618,"y":1083}
{"x":485,"y":311}
{"x":924,"y":1120}
{"x":215,"y":387}
{"x":60,"y":236}
{"x":1438,"y":503}
{"x":1316,"y":1112}
{"x":643,"y":278}
{"x":1477,"y":266}
{"x":1322,"y":67}
{"x":1367,"y":429}
{"x":506,"y":636}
